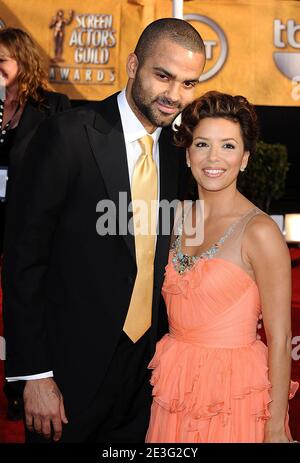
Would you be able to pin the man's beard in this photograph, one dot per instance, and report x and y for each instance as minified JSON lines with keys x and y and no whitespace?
{"x":144,"y":105}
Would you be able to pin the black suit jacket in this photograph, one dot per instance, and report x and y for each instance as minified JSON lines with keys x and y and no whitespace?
{"x":31,"y":118}
{"x":67,"y":289}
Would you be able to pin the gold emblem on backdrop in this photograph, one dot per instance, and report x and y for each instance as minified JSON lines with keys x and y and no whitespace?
{"x":82,"y":48}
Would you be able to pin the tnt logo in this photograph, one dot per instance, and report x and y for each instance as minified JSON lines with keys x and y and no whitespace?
{"x":215,"y":41}
{"x":291,"y":29}
{"x":287,"y":35}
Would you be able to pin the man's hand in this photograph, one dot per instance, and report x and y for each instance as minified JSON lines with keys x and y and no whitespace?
{"x":44,"y":405}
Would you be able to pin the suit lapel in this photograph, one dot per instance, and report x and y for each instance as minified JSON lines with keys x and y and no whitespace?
{"x":168,"y":191}
{"x":168,"y":166}
{"x":108,"y":146}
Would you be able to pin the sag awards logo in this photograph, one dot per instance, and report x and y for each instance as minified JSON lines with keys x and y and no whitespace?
{"x":81,"y":48}
{"x":288,"y":62}
{"x":216,"y":45}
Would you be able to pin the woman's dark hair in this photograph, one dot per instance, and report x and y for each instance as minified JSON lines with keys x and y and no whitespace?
{"x":219,"y":105}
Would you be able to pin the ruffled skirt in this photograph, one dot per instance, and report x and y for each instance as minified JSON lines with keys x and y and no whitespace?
{"x":206,"y":395}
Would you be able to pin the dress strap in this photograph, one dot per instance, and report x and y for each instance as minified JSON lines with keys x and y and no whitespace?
{"x":232,"y":249}
{"x":246,"y":219}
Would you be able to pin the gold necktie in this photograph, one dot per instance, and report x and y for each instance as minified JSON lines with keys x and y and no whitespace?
{"x":143,"y":188}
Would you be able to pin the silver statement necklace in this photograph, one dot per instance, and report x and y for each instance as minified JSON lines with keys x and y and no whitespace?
{"x":183,"y":262}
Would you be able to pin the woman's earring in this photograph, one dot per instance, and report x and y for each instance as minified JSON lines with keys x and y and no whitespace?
{"x":188,"y":163}
{"x":242,"y":169}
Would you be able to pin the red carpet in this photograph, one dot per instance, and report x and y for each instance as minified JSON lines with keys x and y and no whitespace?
{"x":13,"y":431}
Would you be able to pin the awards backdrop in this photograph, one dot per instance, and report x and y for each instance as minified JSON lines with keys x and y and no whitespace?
{"x":252,"y":47}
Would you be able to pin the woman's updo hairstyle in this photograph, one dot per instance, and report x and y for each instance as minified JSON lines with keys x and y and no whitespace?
{"x":219,"y":105}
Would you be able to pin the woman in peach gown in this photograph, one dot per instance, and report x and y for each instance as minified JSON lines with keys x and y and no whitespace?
{"x":213,"y":380}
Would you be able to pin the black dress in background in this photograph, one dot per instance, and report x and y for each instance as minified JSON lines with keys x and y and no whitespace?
{"x":14,"y":411}
{"x":5,"y":149}
{"x":12,"y":150}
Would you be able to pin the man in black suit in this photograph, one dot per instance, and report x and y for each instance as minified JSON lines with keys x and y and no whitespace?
{"x":67,"y":289}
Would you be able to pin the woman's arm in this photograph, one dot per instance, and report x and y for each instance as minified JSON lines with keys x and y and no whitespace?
{"x":265,"y":249}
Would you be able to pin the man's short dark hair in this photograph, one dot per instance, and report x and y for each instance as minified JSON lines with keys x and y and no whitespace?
{"x":173,"y":29}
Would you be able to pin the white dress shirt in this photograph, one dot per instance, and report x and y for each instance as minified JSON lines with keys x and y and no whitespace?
{"x":133,"y":129}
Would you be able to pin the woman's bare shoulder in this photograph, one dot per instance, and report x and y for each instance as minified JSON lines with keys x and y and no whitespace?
{"x":262,"y":234}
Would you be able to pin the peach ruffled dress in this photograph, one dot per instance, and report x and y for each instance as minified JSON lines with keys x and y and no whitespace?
{"x":210,"y":375}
